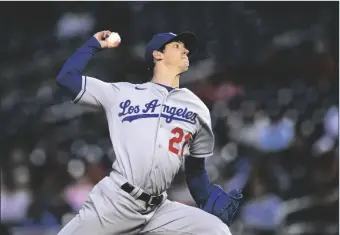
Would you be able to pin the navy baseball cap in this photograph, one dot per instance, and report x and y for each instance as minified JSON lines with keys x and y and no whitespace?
{"x":189,"y":40}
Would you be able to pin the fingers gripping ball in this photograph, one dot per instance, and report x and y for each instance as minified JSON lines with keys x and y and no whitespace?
{"x":223,"y":205}
{"x":114,"y":38}
{"x":108,"y":39}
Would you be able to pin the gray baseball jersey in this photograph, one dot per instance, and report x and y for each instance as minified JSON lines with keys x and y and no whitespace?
{"x":152,"y":130}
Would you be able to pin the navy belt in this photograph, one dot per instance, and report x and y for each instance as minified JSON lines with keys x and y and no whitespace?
{"x":150,"y":200}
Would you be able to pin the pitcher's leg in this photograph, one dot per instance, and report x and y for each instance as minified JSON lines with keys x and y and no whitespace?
{"x":108,"y":211}
{"x":176,"y":218}
{"x":79,"y":226}
{"x":86,"y":222}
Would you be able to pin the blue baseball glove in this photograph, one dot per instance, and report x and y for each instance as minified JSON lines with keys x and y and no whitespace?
{"x":223,"y":205}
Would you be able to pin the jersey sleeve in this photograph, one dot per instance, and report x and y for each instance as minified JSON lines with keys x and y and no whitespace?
{"x":203,"y":142}
{"x":96,"y":93}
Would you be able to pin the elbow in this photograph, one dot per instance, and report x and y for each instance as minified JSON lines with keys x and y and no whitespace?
{"x":70,"y":81}
{"x":63,"y":78}
{"x":60,"y":78}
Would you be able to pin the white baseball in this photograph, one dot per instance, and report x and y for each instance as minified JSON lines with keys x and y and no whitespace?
{"x":113,"y":38}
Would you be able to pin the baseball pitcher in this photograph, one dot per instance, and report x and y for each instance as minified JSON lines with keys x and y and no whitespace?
{"x":154,"y":127}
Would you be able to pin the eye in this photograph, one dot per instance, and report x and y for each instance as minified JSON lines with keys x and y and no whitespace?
{"x":177,"y":45}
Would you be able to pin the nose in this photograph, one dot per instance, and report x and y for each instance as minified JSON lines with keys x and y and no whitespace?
{"x":185,"y":51}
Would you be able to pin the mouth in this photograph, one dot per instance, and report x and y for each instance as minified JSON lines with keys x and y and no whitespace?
{"x":186,"y":61}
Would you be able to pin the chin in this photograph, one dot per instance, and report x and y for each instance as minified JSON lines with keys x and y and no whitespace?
{"x":185,"y":69}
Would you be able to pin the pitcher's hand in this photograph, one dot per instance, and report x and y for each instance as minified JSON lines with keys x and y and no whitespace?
{"x":102,"y":36}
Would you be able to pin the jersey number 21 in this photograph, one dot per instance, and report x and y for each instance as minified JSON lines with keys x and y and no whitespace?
{"x":178,"y":139}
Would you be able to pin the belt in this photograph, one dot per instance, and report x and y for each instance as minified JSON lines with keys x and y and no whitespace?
{"x":149,"y":199}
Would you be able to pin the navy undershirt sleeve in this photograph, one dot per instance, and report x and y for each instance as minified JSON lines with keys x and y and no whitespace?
{"x":70,"y":75}
{"x":197,"y":179}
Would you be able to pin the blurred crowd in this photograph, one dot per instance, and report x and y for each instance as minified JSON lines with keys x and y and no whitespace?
{"x":268,"y":72}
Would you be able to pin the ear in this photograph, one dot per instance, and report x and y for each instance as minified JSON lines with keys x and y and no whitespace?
{"x":157,"y":55}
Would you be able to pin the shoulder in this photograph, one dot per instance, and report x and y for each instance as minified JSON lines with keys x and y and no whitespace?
{"x":197,"y":101}
{"x":124,"y":85}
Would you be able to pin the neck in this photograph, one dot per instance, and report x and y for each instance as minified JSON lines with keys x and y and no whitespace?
{"x":166,"y":77}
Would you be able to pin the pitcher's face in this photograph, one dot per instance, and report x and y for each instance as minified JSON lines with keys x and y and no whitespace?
{"x":176,"y":55}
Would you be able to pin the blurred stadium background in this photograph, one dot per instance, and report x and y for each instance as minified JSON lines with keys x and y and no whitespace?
{"x":268,"y":71}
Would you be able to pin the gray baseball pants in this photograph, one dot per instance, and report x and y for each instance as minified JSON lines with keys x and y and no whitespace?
{"x":110,"y":210}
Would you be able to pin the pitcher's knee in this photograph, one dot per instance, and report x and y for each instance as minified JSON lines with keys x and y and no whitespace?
{"x":214,"y":225}
{"x":221,"y":228}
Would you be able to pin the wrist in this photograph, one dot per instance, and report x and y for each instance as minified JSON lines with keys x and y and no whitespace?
{"x":94,"y":44}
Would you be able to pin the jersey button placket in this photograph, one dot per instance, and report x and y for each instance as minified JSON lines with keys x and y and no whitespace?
{"x":161,"y":121}
{"x":159,"y":146}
